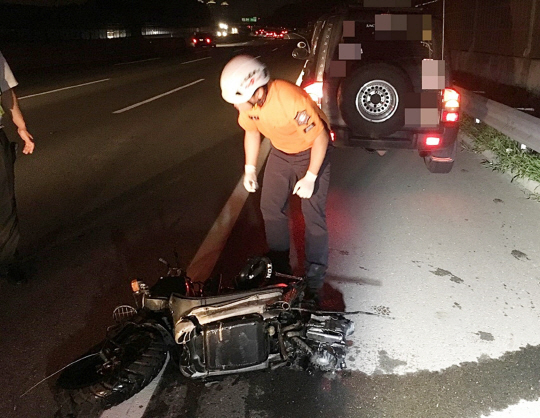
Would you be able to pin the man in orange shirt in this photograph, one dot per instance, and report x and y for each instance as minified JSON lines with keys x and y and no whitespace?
{"x":298,"y":163}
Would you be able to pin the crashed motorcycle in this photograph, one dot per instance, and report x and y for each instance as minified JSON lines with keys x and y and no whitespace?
{"x":259,"y":322}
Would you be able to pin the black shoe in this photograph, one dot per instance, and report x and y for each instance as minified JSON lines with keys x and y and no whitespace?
{"x":312,"y":299}
{"x":315,"y":274}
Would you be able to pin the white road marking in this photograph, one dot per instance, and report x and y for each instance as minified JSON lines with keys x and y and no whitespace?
{"x":136,"y":62}
{"x":275,"y":49}
{"x":206,"y":257}
{"x":63,"y":88}
{"x":135,"y":406}
{"x":456,"y":291}
{"x":523,"y":409}
{"x":257,"y":57}
{"x":200,"y":59}
{"x":159,"y":96}
{"x":300,"y":78}
{"x":232,"y":45}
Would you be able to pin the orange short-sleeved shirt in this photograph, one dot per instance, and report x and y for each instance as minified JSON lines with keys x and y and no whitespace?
{"x":288,"y":118}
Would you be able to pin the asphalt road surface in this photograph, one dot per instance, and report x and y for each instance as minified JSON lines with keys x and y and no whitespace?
{"x":450,"y":262}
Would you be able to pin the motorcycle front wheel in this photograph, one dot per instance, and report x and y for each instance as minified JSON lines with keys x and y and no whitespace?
{"x":101,"y":378}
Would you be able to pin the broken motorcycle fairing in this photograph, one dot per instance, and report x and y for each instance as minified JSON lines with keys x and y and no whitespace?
{"x":208,"y":330}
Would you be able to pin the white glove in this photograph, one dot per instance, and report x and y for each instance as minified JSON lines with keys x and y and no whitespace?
{"x":250,"y":178}
{"x":304,"y":187}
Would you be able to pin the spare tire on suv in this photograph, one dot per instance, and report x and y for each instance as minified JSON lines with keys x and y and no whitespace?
{"x":372,"y":99}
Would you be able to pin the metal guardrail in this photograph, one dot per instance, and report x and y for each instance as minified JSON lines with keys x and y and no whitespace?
{"x":519,"y":126}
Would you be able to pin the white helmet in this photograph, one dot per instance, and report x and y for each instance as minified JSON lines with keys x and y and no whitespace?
{"x":241,"y":77}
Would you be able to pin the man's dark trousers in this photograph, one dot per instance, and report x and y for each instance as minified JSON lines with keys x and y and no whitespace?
{"x":9,"y":225}
{"x":280,"y":176}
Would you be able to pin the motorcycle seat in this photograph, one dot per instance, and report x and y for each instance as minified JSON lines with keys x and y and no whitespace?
{"x":181,"y":304}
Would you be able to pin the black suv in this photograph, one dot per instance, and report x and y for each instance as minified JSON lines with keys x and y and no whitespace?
{"x":383,"y":80}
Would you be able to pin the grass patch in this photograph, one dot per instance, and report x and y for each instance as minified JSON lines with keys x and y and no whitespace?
{"x":510,"y":157}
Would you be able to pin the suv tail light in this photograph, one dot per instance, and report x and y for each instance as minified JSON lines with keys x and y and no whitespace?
{"x":433,"y":141}
{"x":450,"y":116}
{"x":315,"y":91}
{"x":451,"y":101}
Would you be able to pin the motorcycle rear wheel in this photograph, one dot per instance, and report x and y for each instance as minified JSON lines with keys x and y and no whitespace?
{"x":84,"y":390}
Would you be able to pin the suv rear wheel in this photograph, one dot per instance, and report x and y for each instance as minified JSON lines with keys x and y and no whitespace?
{"x":371,"y":99}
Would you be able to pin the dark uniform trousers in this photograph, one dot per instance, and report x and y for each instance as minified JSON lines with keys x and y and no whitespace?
{"x":281,"y":174}
{"x":9,"y":225}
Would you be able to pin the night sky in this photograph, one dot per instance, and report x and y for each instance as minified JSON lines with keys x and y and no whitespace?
{"x":244,"y":7}
{"x":258,"y":7}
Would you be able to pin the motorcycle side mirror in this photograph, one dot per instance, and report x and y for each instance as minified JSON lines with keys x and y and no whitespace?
{"x":300,"y":53}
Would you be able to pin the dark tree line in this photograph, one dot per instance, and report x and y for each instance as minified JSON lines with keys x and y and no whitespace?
{"x":299,"y":14}
{"x":28,"y":23}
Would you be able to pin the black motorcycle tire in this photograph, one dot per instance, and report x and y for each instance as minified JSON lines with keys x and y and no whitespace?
{"x":82,"y":392}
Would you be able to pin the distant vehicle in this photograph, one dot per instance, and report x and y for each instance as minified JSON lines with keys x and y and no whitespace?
{"x":202,"y":40}
{"x":275,"y":33}
{"x":272,"y":33}
{"x":280,"y":34}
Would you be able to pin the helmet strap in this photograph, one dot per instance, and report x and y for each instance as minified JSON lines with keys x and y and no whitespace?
{"x":262,"y":99}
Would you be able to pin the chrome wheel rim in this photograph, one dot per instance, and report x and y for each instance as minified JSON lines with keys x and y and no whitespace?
{"x":377,"y":101}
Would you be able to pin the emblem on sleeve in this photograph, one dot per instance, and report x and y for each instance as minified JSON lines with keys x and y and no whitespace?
{"x":302,"y":118}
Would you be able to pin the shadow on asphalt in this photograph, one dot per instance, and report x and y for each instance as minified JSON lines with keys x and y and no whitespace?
{"x":469,"y":390}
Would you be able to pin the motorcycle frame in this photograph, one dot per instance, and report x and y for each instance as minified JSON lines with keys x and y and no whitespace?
{"x":254,"y":302}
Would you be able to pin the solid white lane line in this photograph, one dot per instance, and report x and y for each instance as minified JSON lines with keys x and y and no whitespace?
{"x":200,"y":59}
{"x":135,"y":62}
{"x":204,"y":261}
{"x":159,"y":96}
{"x":135,"y":406}
{"x":233,"y":45}
{"x":63,"y":88}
